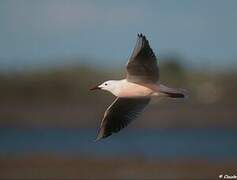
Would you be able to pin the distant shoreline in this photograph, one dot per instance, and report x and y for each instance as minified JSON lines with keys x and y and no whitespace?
{"x":58,"y":167}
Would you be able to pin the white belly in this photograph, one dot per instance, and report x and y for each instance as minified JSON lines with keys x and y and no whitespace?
{"x":129,"y":89}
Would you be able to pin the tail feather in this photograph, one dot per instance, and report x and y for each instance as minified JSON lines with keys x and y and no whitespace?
{"x":173,"y":93}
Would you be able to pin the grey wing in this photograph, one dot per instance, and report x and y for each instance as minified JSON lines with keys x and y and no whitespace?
{"x":142,"y":65}
{"x":119,"y":114}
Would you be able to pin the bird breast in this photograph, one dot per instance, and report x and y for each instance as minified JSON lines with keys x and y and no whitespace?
{"x":129,"y":89}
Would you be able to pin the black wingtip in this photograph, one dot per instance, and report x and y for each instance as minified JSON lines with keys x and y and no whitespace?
{"x":101,"y":135}
{"x":140,"y":35}
{"x":97,"y":139}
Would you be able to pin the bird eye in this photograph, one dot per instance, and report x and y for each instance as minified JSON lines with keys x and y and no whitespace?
{"x":106,"y":84}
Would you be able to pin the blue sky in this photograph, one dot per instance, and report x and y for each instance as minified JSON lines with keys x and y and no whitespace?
{"x":52,"y":31}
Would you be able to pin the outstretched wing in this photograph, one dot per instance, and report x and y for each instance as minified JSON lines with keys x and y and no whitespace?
{"x":119,"y":114}
{"x":142,"y":65}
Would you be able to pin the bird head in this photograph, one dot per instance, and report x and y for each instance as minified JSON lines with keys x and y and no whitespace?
{"x":107,"y":86}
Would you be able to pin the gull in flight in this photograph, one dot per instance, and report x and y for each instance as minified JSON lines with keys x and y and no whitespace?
{"x":134,"y":92}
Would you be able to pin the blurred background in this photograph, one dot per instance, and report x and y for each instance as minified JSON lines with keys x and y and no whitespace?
{"x":53,"y":51}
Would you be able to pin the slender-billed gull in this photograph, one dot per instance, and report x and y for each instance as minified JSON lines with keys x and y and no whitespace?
{"x":134,"y":92}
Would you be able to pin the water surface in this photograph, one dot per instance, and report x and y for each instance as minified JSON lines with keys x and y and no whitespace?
{"x":215,"y":144}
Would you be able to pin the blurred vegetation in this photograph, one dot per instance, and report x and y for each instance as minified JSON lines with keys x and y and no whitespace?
{"x":71,"y":83}
{"x":25,"y":92}
{"x":50,"y":85}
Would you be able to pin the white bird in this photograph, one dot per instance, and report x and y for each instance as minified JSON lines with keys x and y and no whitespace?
{"x":134,"y":92}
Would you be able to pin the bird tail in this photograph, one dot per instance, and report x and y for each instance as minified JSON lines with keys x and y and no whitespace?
{"x":173,"y":93}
